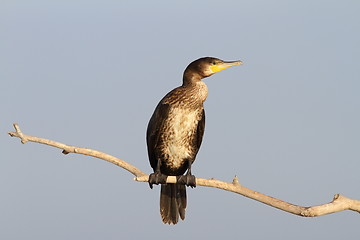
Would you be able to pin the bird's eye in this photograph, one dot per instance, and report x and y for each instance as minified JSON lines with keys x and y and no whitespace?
{"x":213,"y":63}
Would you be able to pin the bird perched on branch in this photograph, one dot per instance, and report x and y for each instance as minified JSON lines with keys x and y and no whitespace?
{"x":175,"y":133}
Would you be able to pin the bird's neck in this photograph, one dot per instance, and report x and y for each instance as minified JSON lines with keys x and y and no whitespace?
{"x":191,"y":77}
{"x":197,"y":92}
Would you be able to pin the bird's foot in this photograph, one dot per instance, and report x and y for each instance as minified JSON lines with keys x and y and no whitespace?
{"x":156,"y":178}
{"x":188,"y":180}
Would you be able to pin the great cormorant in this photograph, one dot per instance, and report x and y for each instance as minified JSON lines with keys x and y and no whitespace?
{"x":174,"y":135}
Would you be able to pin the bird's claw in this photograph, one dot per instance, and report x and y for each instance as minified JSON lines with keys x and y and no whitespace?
{"x":156,"y":178}
{"x":188,"y":180}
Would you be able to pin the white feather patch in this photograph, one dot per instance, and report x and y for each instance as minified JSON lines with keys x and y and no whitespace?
{"x":182,"y":129}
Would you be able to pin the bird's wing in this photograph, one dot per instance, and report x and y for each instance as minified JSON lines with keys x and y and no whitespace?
{"x":154,"y":129}
{"x":200,"y":130}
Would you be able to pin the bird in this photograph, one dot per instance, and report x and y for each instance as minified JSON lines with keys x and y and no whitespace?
{"x":174,"y":135}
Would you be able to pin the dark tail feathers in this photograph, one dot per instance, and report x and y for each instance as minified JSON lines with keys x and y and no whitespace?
{"x":172,"y":202}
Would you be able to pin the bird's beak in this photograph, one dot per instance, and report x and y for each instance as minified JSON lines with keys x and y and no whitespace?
{"x":223,"y":65}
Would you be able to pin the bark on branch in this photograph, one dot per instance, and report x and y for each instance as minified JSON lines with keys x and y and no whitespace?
{"x":339,"y":202}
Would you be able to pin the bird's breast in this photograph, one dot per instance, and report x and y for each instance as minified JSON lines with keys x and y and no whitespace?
{"x":178,"y":137}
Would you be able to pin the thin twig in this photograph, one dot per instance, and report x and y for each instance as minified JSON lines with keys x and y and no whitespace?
{"x":339,"y":202}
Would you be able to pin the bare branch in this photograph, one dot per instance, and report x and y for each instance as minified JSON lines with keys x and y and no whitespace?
{"x":79,"y":150}
{"x":339,"y":202}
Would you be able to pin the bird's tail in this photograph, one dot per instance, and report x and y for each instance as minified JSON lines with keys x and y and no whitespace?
{"x":172,"y":202}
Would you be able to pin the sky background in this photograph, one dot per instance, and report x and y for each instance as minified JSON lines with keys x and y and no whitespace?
{"x":90,"y":73}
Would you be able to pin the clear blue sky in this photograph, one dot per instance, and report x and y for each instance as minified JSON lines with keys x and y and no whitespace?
{"x":90,"y":73}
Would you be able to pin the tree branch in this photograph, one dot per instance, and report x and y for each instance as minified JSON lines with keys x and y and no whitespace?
{"x":339,"y":202}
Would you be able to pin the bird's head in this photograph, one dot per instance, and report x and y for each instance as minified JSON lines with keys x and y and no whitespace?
{"x":205,"y":67}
